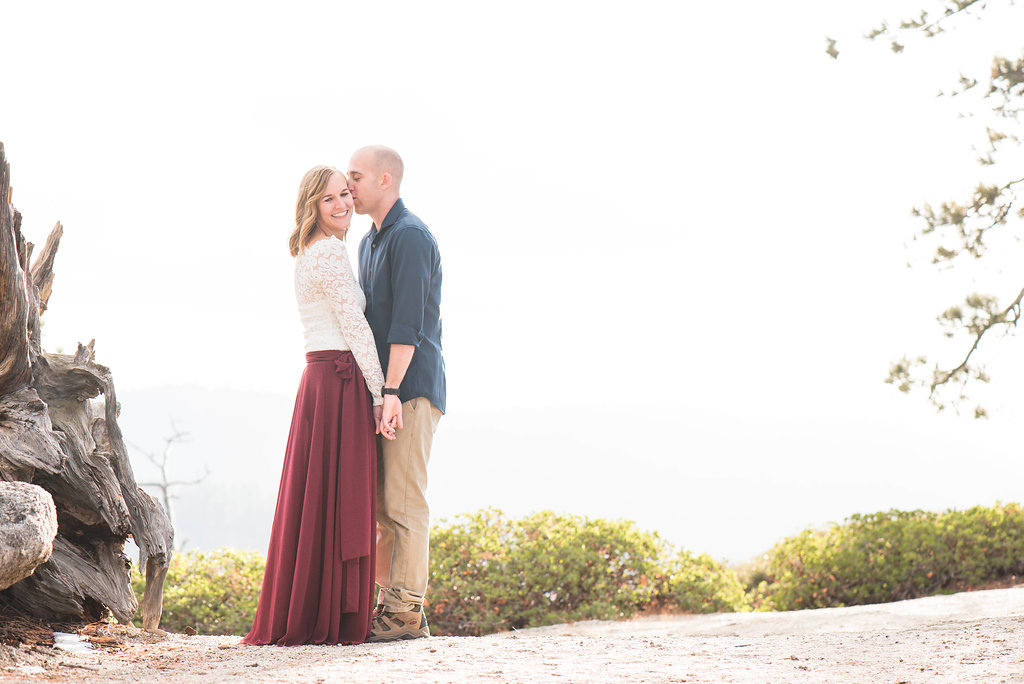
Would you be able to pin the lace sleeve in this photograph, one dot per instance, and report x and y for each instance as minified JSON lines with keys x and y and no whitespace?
{"x":335,"y":273}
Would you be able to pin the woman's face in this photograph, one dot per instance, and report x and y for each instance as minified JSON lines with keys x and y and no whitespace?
{"x":334,"y":210}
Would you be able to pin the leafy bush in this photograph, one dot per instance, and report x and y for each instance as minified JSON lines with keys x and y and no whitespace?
{"x":488,"y":573}
{"x":895,"y":555}
{"x":699,"y":584}
{"x":215,"y":592}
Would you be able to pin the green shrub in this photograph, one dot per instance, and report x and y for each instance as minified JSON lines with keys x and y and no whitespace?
{"x":470,"y":584}
{"x":488,"y":573}
{"x":753,"y":575}
{"x":895,"y":555}
{"x":215,"y":592}
{"x":699,"y":584}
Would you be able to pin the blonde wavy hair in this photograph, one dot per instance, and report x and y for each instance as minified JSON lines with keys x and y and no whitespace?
{"x":311,"y":189}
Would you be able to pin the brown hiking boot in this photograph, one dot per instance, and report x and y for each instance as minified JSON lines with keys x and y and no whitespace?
{"x":388,"y":626}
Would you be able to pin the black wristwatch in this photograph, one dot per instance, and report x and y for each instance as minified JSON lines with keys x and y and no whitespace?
{"x":390,"y":390}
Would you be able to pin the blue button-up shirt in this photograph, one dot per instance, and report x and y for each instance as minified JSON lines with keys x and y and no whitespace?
{"x":400,"y":273}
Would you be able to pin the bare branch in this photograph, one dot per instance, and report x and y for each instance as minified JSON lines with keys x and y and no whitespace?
{"x":186,"y":483}
{"x":165,"y":485}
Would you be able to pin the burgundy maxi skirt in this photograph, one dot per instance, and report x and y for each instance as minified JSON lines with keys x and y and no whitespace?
{"x":318,"y":584}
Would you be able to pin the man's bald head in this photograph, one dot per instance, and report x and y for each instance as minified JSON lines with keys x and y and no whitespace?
{"x":374,"y":179}
{"x":383,"y":160}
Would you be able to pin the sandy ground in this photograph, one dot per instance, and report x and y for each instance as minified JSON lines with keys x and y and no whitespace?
{"x":967,"y":637}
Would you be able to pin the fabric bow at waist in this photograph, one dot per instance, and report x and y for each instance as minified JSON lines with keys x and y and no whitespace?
{"x":344,"y":363}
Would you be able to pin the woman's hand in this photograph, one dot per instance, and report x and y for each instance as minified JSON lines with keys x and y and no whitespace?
{"x":382,"y":428}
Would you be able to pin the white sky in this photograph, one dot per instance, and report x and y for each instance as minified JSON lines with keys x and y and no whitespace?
{"x":672,"y":234}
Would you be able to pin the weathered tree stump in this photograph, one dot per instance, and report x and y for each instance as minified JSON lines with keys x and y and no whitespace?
{"x":58,"y":430}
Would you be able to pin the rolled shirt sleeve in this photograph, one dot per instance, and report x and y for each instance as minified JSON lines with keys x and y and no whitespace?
{"x":413,"y":254}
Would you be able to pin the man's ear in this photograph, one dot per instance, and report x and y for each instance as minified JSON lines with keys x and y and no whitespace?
{"x":385,"y":180}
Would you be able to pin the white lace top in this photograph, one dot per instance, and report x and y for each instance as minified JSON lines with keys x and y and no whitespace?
{"x":331,"y":308}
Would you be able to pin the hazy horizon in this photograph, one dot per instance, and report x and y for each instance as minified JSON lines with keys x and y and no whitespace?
{"x":239,"y":437}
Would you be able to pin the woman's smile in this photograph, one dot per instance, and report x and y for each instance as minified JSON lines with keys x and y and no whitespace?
{"x":335,"y":206}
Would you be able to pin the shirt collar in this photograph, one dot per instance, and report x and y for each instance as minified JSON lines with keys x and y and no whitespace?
{"x":396,"y":210}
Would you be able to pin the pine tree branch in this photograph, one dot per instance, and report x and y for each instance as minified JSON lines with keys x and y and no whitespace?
{"x":952,"y":13}
{"x":1001,"y":318}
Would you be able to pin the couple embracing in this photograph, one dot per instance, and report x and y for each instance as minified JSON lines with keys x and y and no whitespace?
{"x":351,"y":508}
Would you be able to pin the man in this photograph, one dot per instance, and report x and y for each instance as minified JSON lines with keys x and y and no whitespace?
{"x":400,"y":274}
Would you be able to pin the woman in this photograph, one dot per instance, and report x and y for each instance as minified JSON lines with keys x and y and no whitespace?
{"x":318,"y":584}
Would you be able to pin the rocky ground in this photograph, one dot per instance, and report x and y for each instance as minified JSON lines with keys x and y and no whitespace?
{"x":968,"y":637}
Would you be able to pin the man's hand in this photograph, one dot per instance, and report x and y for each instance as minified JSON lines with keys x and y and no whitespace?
{"x":392,"y":414}
{"x":399,"y":358}
{"x":385,"y":431}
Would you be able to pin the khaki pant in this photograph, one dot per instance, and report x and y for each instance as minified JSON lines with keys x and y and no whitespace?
{"x":403,"y":519}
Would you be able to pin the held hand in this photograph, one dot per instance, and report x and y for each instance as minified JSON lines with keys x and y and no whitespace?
{"x":385,"y":431}
{"x":392,"y":416}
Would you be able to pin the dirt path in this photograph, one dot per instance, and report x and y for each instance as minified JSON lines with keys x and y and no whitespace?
{"x":969,"y":637}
